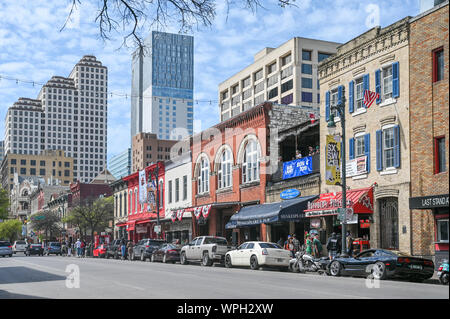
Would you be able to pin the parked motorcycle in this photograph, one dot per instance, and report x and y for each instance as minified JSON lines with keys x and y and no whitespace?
{"x":443,"y":272}
{"x":304,"y":262}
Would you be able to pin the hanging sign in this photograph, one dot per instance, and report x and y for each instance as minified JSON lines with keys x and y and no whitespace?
{"x":142,"y":187}
{"x":206,"y":210}
{"x":290,"y":193}
{"x":298,"y":167}
{"x":333,"y":160}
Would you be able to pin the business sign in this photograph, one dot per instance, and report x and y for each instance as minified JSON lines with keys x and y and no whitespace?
{"x":151,"y":195}
{"x":333,"y":160}
{"x":356,"y":166}
{"x":142,"y":187}
{"x":290,"y":193}
{"x":298,"y":167}
{"x":428,"y":202}
{"x":141,"y":229}
{"x":315,"y":223}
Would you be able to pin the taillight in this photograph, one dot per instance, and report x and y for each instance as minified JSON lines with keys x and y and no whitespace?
{"x":9,"y":246}
{"x":146,"y":246}
{"x":428,"y":263}
{"x":265,"y":252}
{"x":403,"y":260}
{"x":440,"y":268}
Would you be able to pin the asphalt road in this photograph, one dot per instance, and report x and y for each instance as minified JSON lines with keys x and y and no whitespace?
{"x":47,"y":277}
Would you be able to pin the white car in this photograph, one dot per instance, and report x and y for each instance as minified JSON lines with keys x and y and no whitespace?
{"x":258,"y":253}
{"x":19,"y":246}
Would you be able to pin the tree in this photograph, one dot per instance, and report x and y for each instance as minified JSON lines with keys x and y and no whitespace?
{"x":48,"y":222}
{"x":4,"y":203}
{"x":10,"y":229}
{"x":137,"y":17}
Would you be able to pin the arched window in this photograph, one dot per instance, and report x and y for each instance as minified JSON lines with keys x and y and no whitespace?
{"x":224,"y":171}
{"x":250,"y":165}
{"x":135,"y":201}
{"x":203,"y":176}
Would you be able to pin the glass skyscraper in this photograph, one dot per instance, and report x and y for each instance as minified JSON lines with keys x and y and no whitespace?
{"x":120,"y":165}
{"x":162,"y":86}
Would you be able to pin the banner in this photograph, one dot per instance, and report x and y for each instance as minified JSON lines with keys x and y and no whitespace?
{"x":298,"y":167}
{"x":151,"y":196}
{"x":356,"y":166}
{"x":333,"y":160}
{"x":142,"y":187}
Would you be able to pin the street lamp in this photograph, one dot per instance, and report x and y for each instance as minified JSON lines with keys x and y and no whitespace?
{"x":340,"y":107}
{"x":156,"y":175}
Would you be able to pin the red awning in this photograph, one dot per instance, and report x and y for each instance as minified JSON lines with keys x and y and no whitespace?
{"x":130,"y":225}
{"x":144,"y":221}
{"x":121,"y":224}
{"x":361,"y":200}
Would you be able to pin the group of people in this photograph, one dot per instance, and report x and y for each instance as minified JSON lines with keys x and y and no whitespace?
{"x":334,"y":245}
{"x":126,"y":249}
{"x":80,"y":248}
{"x":311,"y":151}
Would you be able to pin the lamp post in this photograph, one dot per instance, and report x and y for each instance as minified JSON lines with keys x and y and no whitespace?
{"x":156,"y":175}
{"x":340,"y":107}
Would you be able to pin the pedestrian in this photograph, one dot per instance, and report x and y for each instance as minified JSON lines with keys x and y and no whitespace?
{"x":298,"y":154}
{"x":308,"y":249}
{"x":332,"y":246}
{"x":339,"y":244}
{"x":317,"y":245}
{"x":78,"y":246}
{"x":130,"y":250}
{"x":296,"y":244}
{"x":289,"y":245}
{"x":123,"y":248}
{"x":69,"y":247}
{"x":349,"y":239}
{"x":311,"y":151}
{"x":82,"y":246}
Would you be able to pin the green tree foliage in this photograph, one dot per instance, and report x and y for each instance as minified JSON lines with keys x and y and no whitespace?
{"x":4,"y":203}
{"x":10,"y":230}
{"x":47,"y":222}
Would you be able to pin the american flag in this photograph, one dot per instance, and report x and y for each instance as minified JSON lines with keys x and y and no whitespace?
{"x":370,"y":97}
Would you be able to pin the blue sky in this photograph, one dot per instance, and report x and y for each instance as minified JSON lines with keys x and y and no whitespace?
{"x":33,"y":48}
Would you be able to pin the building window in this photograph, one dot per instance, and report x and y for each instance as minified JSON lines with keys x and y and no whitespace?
{"x":323,"y":56}
{"x":359,"y":146}
{"x":438,"y":64}
{"x":388,"y":148}
{"x":287,"y":86}
{"x":387,"y":82}
{"x":258,"y":75}
{"x":306,"y":68}
{"x":333,"y":102}
{"x":250,"y":167}
{"x":224,"y":171}
{"x":203,"y":176}
{"x":177,"y":190}
{"x":286,"y":59}
{"x":184,"y":187}
{"x":307,"y":83}
{"x":246,"y":82}
{"x":170,"y":191}
{"x":442,"y":230}
{"x":272,"y":68}
{"x":440,"y":164}
{"x":306,"y":55}
{"x":359,"y":96}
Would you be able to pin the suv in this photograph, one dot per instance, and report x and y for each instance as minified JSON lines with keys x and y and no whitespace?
{"x":114,"y":249}
{"x":5,"y":248}
{"x":206,"y":249}
{"x":53,"y":248}
{"x":145,"y":247}
{"x":19,"y":246}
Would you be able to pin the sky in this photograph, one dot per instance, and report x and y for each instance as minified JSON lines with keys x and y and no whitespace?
{"x":33,"y":47}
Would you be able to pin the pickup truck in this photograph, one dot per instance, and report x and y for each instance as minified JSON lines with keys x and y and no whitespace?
{"x":207,"y":249}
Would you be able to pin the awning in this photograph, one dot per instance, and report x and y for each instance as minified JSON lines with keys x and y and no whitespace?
{"x":130,"y":225}
{"x":121,"y":224}
{"x":361,"y":200}
{"x":144,"y":221}
{"x":285,"y":211}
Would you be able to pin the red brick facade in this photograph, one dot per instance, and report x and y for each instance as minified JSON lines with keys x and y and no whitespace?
{"x":429,"y":118}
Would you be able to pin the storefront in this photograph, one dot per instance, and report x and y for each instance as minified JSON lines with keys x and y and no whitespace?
{"x":438,"y":205}
{"x":323,"y":215}
{"x":121,"y":230}
{"x":178,"y":228}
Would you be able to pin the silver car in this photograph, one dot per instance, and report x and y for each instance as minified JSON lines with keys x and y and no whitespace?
{"x":19,"y":246}
{"x":5,"y":249}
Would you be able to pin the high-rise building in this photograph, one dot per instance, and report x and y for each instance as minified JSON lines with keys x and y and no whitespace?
{"x":162,"y":86}
{"x":120,"y":164}
{"x":69,"y":114}
{"x":283,"y":75}
{"x":2,"y":151}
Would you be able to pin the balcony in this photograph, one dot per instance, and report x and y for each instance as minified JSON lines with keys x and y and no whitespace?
{"x":315,"y":168}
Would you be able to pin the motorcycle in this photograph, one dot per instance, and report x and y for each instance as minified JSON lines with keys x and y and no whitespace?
{"x":304,"y":262}
{"x":443,"y":272}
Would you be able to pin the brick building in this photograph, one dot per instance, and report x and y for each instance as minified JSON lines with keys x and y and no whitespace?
{"x":429,"y":116}
{"x":146,"y":149}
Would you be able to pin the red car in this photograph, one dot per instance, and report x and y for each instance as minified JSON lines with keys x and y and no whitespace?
{"x":100,"y":251}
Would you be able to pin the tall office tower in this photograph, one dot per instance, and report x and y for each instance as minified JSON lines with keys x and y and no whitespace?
{"x":120,"y":164}
{"x":283,"y":75}
{"x":162,"y":86}
{"x":69,"y":114}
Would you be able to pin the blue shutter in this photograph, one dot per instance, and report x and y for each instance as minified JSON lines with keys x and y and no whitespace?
{"x":351,"y":102}
{"x":351,"y":146}
{"x":367,"y":151}
{"x":327,"y":106}
{"x":395,"y":81}
{"x":378,"y":85}
{"x":340,"y":94}
{"x":397,"y":146}
{"x":365,"y":85}
{"x":379,"y":140}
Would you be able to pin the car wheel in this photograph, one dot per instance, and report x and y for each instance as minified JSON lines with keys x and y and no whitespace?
{"x":254,"y":263}
{"x":228,"y":261}
{"x":143,"y":256}
{"x":379,"y":270}
{"x":183,"y":259}
{"x":443,"y":279}
{"x":335,"y":268}
{"x":206,"y":261}
{"x":164,"y":259}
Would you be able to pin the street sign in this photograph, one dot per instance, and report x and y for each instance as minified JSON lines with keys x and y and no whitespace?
{"x":347,"y":212}
{"x":157,"y":229}
{"x":38,"y":217}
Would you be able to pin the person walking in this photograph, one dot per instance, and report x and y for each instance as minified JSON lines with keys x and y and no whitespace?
{"x":78,"y":246}
{"x":123,"y":248}
{"x":308,"y":249}
{"x":130,"y":250}
{"x":289,"y":245}
{"x":296,"y":243}
{"x":332,"y":246}
{"x":317,"y":247}
{"x":82,"y":246}
{"x":69,"y":248}
{"x":339,"y":244}
{"x":349,"y":240}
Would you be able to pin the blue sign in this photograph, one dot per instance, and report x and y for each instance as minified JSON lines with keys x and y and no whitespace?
{"x":290,"y":193}
{"x":298,"y":167}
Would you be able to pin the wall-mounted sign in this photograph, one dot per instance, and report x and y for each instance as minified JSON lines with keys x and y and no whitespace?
{"x":356,"y":166}
{"x":315,"y":222}
{"x":290,"y":193}
{"x":427,"y":202}
{"x":333,"y":160}
{"x":298,"y":167}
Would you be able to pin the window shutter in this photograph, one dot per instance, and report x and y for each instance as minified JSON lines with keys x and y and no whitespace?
{"x":351,"y":102}
{"x":396,"y":146}
{"x":365,"y":85}
{"x":351,"y":145}
{"x":379,"y":139}
{"x":340,"y":94}
{"x":367,"y":151}
{"x":378,"y":85}
{"x":327,"y":106}
{"x":395,"y":82}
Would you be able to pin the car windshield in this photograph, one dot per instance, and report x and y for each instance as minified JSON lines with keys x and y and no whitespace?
{"x":218,"y":241}
{"x":36,"y":245}
{"x":4,"y":244}
{"x":269,"y":245}
{"x":55,"y":244}
{"x":155,"y":243}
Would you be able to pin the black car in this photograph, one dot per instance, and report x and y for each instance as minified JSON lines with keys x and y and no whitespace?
{"x":145,"y":247}
{"x":34,"y":249}
{"x":383,"y":264}
{"x":167,"y":253}
{"x":114,"y":249}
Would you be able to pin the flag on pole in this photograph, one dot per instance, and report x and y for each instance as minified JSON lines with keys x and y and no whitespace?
{"x":370,"y":97}
{"x":312,"y":117}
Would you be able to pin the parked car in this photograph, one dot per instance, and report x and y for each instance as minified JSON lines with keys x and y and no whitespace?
{"x":167,"y":253}
{"x":383,"y":264}
{"x":207,"y":249}
{"x":100,"y":251}
{"x":19,"y":246}
{"x":53,"y":248}
{"x":34,"y":249}
{"x":114,"y":249}
{"x":255,"y":254}
{"x":145,"y":248}
{"x":5,"y":249}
